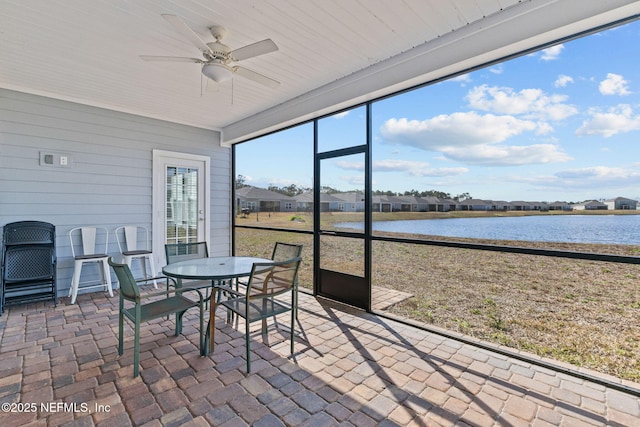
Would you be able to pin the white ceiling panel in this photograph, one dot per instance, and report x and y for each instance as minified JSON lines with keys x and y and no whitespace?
{"x":331,"y":52}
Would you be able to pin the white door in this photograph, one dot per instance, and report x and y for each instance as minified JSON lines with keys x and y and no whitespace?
{"x":180,"y":200}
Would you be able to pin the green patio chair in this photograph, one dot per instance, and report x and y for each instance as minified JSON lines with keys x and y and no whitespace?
{"x":160,"y":304}
{"x":257,"y":301}
{"x":281,"y":252}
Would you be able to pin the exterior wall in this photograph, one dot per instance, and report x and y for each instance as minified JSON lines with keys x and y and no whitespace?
{"x":621,"y":203}
{"x":109,"y":180}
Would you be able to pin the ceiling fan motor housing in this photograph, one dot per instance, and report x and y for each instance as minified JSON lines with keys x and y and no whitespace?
{"x":218,"y":50}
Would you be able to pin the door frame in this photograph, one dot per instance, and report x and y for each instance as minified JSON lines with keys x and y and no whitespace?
{"x":336,"y":285}
{"x":161,"y":159}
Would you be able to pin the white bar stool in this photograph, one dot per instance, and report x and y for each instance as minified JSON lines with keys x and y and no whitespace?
{"x":128,"y":238}
{"x":87,"y":247}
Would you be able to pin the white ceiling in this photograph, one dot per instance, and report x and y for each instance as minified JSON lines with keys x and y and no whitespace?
{"x":332,"y":53}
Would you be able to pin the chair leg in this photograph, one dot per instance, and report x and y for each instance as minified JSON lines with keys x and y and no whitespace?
{"x":293,"y":322}
{"x":136,"y":349}
{"x":179,"y":323}
{"x":106,"y":276}
{"x":247,"y":340}
{"x":202,"y":332}
{"x":212,"y":328}
{"x":143,"y":267}
{"x":121,"y":331}
{"x":75,"y":281}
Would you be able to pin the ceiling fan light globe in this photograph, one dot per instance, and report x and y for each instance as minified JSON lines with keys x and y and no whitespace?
{"x":217,"y":72}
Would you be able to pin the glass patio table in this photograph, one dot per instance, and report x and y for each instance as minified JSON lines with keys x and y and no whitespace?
{"x":214,"y":269}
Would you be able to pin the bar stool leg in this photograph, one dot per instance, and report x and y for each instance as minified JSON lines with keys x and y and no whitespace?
{"x":106,"y":276}
{"x":152,"y":269}
{"x":75,"y":280}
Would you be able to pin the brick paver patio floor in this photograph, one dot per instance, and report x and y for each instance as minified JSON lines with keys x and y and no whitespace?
{"x":60,"y":366}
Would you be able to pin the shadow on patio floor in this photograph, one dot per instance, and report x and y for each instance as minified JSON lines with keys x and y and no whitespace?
{"x":60,"y":366}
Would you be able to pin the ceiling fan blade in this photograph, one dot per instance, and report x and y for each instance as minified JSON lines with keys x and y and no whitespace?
{"x":256,"y":77}
{"x":254,"y":49}
{"x":152,"y":58}
{"x":180,"y":26}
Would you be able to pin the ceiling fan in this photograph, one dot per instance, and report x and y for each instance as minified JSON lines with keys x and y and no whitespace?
{"x":218,"y":57}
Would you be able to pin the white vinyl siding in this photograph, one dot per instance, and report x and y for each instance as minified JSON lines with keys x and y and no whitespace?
{"x":109,"y":179}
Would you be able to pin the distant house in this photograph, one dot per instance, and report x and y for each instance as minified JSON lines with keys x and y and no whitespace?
{"x":381,"y":204}
{"x":328,"y":202}
{"x":261,"y":200}
{"x":539,"y":206}
{"x":520,"y":205}
{"x":592,"y":205}
{"x":499,"y":205}
{"x":413,"y":204}
{"x":410,"y":204}
{"x":475,"y":205}
{"x":560,"y":206}
{"x":347,"y":202}
{"x":416,"y":204}
{"x":398,"y":203}
{"x":304,"y":202}
{"x":621,"y":203}
{"x":449,"y":205}
{"x":434,"y":204}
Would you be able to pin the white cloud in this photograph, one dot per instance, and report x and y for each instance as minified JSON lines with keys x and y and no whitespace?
{"x":281,"y":182}
{"x":463,"y":78}
{"x":357,"y":166}
{"x":341,"y":115}
{"x":457,"y":129}
{"x":416,"y":168}
{"x":563,"y":80}
{"x":597,"y":172}
{"x":472,"y":138}
{"x":551,"y":53}
{"x":502,"y":155}
{"x":584,"y":178}
{"x":410,"y":167}
{"x":598,"y":176}
{"x":531,"y":103}
{"x":356,"y":180}
{"x":618,"y":119}
{"x":614,"y":84}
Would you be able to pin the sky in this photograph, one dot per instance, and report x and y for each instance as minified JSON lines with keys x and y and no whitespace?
{"x":561,"y":124}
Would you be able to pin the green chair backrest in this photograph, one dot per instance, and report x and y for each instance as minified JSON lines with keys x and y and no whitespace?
{"x":276,"y":277}
{"x":176,"y":252}
{"x":128,"y":287}
{"x":285,"y":251}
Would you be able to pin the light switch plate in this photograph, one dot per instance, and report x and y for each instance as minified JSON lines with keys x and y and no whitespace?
{"x":55,"y":159}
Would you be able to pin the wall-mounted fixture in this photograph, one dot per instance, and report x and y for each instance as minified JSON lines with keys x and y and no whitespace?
{"x":54,"y":159}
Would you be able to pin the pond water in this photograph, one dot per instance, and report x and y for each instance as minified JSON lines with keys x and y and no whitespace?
{"x":603,"y":229}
